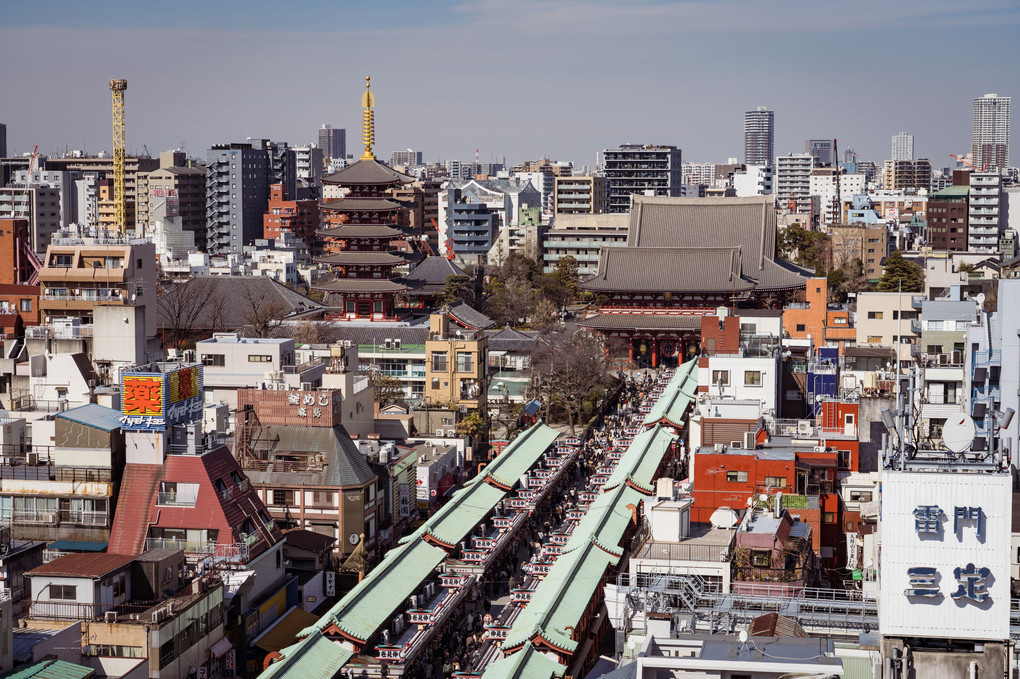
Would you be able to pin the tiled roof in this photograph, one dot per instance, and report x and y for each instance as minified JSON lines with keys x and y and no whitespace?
{"x":509,"y":339}
{"x":430,"y":276}
{"x":362,"y":258}
{"x":671,"y":269}
{"x":135,"y":502}
{"x":361,"y":204}
{"x":226,"y":301}
{"x":362,"y":231}
{"x":359,"y":285}
{"x":53,"y":669}
{"x":468,"y":316}
{"x":643,"y":321}
{"x":344,"y":465}
{"x":93,"y":415}
{"x":367,"y":172}
{"x":85,"y":565}
{"x":362,"y":335}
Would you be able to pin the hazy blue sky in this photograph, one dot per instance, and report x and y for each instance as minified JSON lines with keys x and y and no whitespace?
{"x":524,"y":78}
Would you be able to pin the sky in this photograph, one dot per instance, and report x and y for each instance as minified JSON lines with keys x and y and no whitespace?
{"x":517,"y":78}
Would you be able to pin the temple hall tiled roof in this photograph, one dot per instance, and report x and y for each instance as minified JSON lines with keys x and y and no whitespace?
{"x":367,"y":172}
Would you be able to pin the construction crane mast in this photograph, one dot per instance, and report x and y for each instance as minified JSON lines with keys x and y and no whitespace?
{"x":118,"y":87}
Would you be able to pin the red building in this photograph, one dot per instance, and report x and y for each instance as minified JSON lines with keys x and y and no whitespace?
{"x":297,"y":217}
{"x":19,"y":279}
{"x":361,"y":236}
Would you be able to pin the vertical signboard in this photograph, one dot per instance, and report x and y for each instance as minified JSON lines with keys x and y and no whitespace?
{"x":945,"y":555}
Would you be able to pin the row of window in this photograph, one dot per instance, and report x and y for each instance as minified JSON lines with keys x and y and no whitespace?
{"x":465,"y":362}
{"x":896,"y":315}
{"x":752,"y":378}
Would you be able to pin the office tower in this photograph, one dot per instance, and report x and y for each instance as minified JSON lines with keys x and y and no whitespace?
{"x":823,"y":151}
{"x":991,"y":132}
{"x":3,"y":140}
{"x":644,"y":170}
{"x":902,"y":146}
{"x":333,"y":141}
{"x":759,"y":137}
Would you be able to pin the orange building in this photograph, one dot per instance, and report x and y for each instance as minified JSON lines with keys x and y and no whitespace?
{"x":817,"y":319}
{"x":19,"y":300}
{"x":298,"y":217}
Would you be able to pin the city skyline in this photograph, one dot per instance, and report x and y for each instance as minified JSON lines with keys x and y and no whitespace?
{"x":215,"y":89}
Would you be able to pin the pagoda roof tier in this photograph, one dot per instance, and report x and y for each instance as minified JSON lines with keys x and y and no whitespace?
{"x":362,"y":231}
{"x":360,"y":258}
{"x":359,"y":285}
{"x":362,"y":204}
{"x":367,"y":172}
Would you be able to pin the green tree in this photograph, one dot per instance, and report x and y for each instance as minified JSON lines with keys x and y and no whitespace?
{"x":456,"y":288}
{"x":567,"y":274}
{"x":900,"y":271}
{"x":473,"y":425}
{"x":810,"y":248}
{"x":388,"y":389}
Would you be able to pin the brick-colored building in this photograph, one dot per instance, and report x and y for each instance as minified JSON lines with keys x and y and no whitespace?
{"x":18,"y":298}
{"x":825,"y":324}
{"x":947,"y":219}
{"x":298,"y":217}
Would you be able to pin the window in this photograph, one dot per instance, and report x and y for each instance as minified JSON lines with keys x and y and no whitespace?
{"x":874,"y":339}
{"x":283,"y":497}
{"x":215,"y":360}
{"x":26,"y":305}
{"x":839,"y":321}
{"x":736,"y":477}
{"x":118,"y":585}
{"x":464,"y":362}
{"x":63,"y":592}
{"x":260,"y":358}
{"x":173,"y":494}
{"x":874,"y":315}
{"x":828,"y":517}
{"x":850,"y":526}
{"x":752,"y":378}
{"x":801,"y":327}
{"x":721,"y":377}
{"x":760,"y":558}
{"x":439,"y":361}
{"x":843,"y":458}
{"x":775,"y":482}
{"x":860,"y":496}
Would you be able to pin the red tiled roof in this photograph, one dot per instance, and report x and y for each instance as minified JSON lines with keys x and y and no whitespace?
{"x":84,"y":565}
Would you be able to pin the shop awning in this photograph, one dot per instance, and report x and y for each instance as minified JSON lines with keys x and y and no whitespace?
{"x":283,"y":632}
{"x":220,"y":647}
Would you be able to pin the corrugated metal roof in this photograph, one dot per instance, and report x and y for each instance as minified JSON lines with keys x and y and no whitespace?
{"x":77,"y":546}
{"x":857,"y":668}
{"x":93,"y":415}
{"x":344,"y":464}
{"x":53,"y":669}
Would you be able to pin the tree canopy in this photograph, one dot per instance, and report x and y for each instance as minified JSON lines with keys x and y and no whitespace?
{"x":901,"y":274}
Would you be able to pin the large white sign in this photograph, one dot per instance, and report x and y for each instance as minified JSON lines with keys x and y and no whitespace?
{"x":945,"y":555}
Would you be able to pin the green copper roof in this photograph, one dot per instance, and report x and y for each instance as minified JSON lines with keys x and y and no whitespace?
{"x":53,"y":669}
{"x":522,"y":453}
{"x":679,"y":393}
{"x":464,"y":511}
{"x":526,"y":664}
{"x":373,"y":601}
{"x":315,"y":657}
{"x":642,"y":458}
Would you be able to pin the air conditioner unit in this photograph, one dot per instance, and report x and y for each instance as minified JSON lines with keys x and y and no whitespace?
{"x":32,"y":458}
{"x":50,"y":518}
{"x":413,"y":602}
{"x":387,"y":344}
{"x":820,"y":449}
{"x":439,"y":433}
{"x":736,"y":445}
{"x":719,"y":447}
{"x":386,"y":637}
{"x":158,"y":615}
{"x":397,"y":625}
{"x":396,"y":343}
{"x":110,"y":616}
{"x":804,"y":427}
{"x":749,"y":442}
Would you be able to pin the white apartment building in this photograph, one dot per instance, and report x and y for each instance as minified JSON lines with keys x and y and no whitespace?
{"x":824,"y":187}
{"x":902,"y":146}
{"x":884,"y":319}
{"x":984,"y":208}
{"x":793,"y":182}
{"x":754,"y":180}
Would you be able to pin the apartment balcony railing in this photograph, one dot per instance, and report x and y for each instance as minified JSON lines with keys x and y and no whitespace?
{"x":59,"y":331}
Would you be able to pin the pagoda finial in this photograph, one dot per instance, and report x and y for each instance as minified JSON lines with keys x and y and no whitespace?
{"x":368,"y":120}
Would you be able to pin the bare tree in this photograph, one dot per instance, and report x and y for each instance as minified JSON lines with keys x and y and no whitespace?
{"x":261,"y":316}
{"x":181,"y":305}
{"x":567,"y":370}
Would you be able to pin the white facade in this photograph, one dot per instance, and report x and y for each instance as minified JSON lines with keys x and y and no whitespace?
{"x":793,"y":182}
{"x":991,"y":132}
{"x":902,"y":146}
{"x":984,"y":212}
{"x":883,"y":319}
{"x":698,"y":173}
{"x":824,"y":186}
{"x":742,"y":378}
{"x":945,"y":555}
{"x":754,"y":180}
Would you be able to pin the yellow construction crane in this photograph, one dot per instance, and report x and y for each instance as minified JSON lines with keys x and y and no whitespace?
{"x":118,"y":87}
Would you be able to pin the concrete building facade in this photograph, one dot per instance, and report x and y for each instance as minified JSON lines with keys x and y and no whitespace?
{"x":990,"y":148}
{"x":759,"y":136}
{"x":643,"y":170}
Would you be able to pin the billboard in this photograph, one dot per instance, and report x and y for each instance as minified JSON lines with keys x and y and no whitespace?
{"x":152,"y":401}
{"x":945,"y":555}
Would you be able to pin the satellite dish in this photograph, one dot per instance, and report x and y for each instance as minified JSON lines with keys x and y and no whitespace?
{"x":958,"y":432}
{"x":743,"y":636}
{"x":981,"y":299}
{"x":724,"y":517}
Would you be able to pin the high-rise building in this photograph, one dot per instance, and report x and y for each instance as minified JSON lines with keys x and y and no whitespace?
{"x":823,"y":151}
{"x":644,"y":170}
{"x":984,"y":211}
{"x":900,"y":175}
{"x":579,"y":195}
{"x":990,"y":148}
{"x":408,"y":158}
{"x":759,"y":137}
{"x":103,"y":168}
{"x":793,"y":182}
{"x":3,"y":140}
{"x":333,"y":141}
{"x":903,"y":146}
{"x":237,"y":193}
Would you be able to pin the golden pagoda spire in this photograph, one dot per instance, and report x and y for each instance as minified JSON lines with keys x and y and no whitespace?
{"x":368,"y":120}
